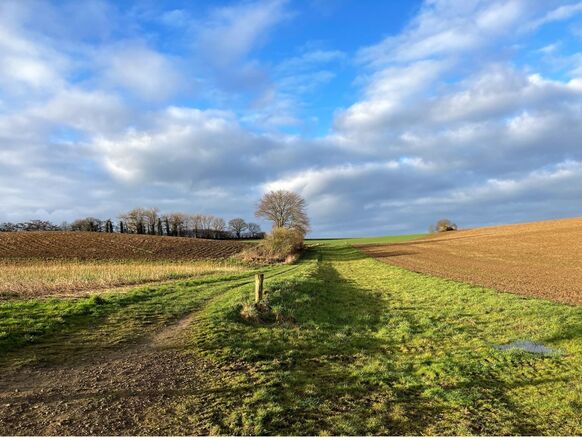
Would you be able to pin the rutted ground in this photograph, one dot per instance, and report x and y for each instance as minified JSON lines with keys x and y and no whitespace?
{"x":106,"y":246}
{"x":540,"y":259}
{"x":365,"y":348}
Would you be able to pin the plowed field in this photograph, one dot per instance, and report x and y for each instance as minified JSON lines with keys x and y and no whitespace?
{"x":542,"y":259}
{"x":102,"y":246}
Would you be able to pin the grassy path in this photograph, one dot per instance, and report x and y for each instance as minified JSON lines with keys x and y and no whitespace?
{"x":362,"y":347}
{"x":377,"y":349}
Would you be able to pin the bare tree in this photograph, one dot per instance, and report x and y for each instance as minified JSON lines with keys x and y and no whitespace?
{"x":206,"y":223}
{"x":195,"y":222}
{"x":254,"y":229}
{"x":178,"y":223}
{"x":151,"y":219}
{"x":88,"y":224}
{"x":32,"y":225}
{"x":237,"y":226}
{"x":134,"y":221}
{"x":218,"y":226}
{"x":285,"y":209}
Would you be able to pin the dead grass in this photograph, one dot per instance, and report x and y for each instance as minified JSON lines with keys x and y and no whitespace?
{"x":38,"y":278}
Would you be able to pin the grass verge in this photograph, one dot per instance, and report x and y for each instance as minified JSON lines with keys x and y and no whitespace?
{"x":376,"y":349}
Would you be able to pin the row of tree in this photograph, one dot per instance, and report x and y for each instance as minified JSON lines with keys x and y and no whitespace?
{"x":284,"y":209}
{"x":149,"y":221}
{"x":32,"y":225}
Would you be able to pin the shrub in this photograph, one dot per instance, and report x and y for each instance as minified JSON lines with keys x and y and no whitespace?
{"x":281,"y":245}
{"x":282,"y":242}
{"x":443,"y":225}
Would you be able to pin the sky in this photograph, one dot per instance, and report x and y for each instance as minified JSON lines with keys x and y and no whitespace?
{"x":384,"y":115}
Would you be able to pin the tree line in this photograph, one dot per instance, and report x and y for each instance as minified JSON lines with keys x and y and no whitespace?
{"x":284,"y":209}
{"x":149,"y":221}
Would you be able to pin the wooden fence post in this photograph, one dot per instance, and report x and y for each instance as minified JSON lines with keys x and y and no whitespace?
{"x":259,"y":287}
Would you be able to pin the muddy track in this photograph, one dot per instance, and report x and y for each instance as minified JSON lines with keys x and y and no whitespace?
{"x":105,"y":393}
{"x":120,"y":391}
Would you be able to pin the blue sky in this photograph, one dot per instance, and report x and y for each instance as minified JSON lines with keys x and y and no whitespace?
{"x":384,"y":115}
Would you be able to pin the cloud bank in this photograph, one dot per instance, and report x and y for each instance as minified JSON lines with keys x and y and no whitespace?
{"x":465,"y":113}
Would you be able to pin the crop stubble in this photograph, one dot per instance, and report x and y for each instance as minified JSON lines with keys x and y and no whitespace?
{"x":34,"y":264}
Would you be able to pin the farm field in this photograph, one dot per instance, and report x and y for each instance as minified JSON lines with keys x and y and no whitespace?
{"x":542,"y":259}
{"x":362,"y":347}
{"x":36,"y":264}
{"x":103,"y":246}
{"x":38,"y":278}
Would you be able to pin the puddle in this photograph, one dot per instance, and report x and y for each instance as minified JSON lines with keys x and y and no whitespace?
{"x":527,"y":346}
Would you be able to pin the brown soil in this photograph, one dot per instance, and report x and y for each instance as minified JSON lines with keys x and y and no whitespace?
{"x":542,"y":259}
{"x":103,"y":246}
{"x":129,"y":391}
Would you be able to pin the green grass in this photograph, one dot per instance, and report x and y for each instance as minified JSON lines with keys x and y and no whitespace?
{"x":364,"y":240}
{"x":377,"y":349}
{"x":365,"y":348}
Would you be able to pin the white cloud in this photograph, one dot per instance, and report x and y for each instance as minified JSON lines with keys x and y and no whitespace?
{"x":445,"y":27}
{"x":560,"y":13}
{"x":28,"y":65}
{"x":183,"y":145}
{"x":451,"y":119}
{"x":146,"y":72}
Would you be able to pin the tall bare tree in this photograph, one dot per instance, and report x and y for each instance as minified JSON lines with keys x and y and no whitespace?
{"x":218,"y":226}
{"x":178,"y":222}
{"x":195,"y":223}
{"x":237,"y":226}
{"x":254,"y":229}
{"x":135,"y":221}
{"x":285,"y":209}
{"x":151,"y":219}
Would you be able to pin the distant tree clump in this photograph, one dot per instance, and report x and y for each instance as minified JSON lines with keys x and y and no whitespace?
{"x":150,"y":221}
{"x":254,"y":230}
{"x":285,"y":209}
{"x":87,"y":224}
{"x":237,"y":226}
{"x":32,"y":225}
{"x":443,"y":225}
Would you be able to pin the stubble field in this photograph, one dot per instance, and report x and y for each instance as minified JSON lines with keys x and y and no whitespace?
{"x":40,"y":264}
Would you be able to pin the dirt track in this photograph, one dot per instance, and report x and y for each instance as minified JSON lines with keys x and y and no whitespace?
{"x":542,"y":259}
{"x":120,"y":392}
{"x":103,"y":246}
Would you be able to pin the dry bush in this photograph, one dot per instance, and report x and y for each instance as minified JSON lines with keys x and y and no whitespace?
{"x":282,"y":245}
{"x":443,"y":225}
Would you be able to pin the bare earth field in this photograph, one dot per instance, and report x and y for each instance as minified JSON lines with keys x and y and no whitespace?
{"x":40,"y":264}
{"x":103,"y":246}
{"x":542,"y":259}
